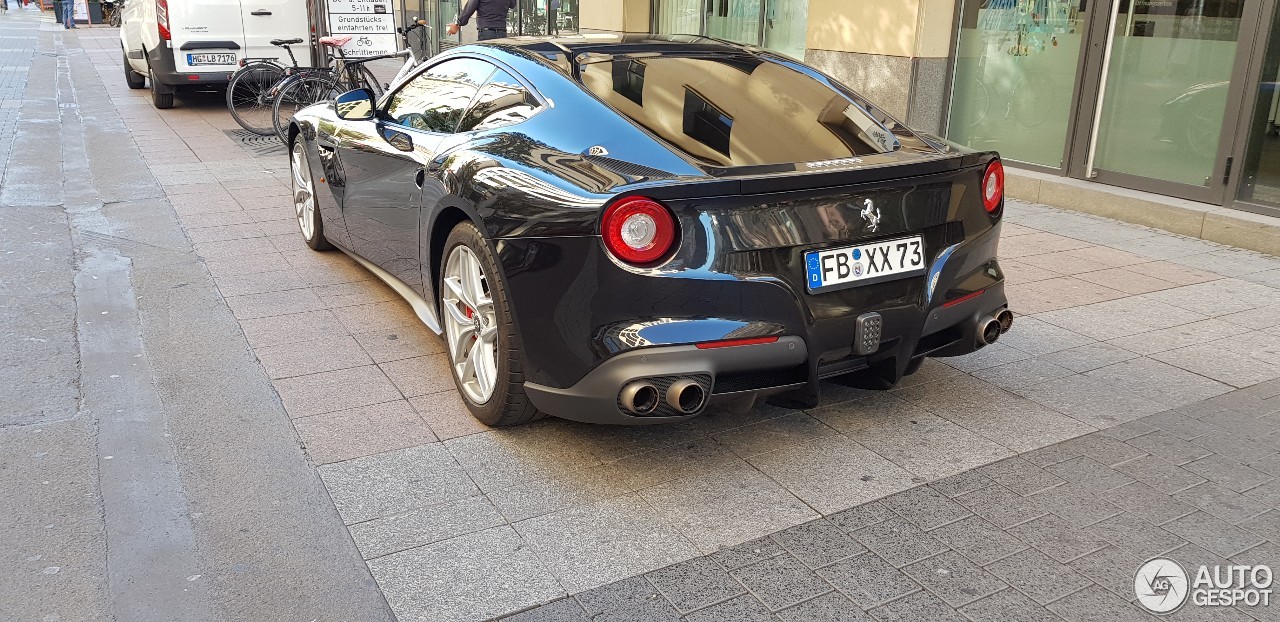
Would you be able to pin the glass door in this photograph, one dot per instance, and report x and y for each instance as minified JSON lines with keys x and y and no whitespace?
{"x":1167,"y":99}
{"x":1258,"y":186}
{"x":734,"y":20}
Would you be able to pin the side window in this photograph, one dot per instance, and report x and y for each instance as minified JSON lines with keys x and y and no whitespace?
{"x":502,"y":101}
{"x":435,"y":100}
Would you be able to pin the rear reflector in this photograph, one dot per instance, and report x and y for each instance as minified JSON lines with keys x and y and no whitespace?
{"x":729,"y":343}
{"x":955,"y":301}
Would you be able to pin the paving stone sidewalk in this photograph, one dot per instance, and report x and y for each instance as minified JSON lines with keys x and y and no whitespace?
{"x":1052,"y":534}
{"x":1116,"y":324}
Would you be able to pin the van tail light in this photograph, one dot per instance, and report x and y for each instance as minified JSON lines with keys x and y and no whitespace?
{"x":638,"y":230}
{"x":993,"y":186}
{"x":162,"y":19}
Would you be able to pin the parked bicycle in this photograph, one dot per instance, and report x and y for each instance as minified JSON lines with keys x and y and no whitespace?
{"x":254,"y":89}
{"x":317,"y":86}
{"x":112,"y":12}
{"x":250,"y":90}
{"x":349,"y":74}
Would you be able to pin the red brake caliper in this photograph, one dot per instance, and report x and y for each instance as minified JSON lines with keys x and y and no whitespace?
{"x":469,"y":312}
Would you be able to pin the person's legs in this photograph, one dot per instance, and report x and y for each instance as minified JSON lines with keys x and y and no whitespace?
{"x":485,"y":35}
{"x":68,"y":14}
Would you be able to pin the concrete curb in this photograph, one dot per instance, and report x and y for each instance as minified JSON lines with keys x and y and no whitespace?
{"x":1198,"y":220}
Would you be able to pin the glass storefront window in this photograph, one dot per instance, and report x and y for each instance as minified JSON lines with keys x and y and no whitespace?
{"x":785,"y":23}
{"x":1166,"y":89}
{"x":1261,"y":181}
{"x":734,"y":20}
{"x":1015,"y":73}
{"x":784,"y":27}
{"x":677,"y":17}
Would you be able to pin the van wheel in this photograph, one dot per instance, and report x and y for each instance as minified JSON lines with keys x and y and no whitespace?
{"x":134,"y":79}
{"x":161,"y":94}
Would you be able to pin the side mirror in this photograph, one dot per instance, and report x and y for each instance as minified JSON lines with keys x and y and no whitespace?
{"x":399,"y":140}
{"x":355,"y":105}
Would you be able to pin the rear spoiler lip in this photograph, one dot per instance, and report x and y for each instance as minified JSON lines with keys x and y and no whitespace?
{"x":787,"y":181}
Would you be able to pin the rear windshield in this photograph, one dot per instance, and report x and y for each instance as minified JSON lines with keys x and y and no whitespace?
{"x":735,"y":110}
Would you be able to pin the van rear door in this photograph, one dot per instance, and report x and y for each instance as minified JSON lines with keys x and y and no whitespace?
{"x":265,"y":20}
{"x":208,"y":36}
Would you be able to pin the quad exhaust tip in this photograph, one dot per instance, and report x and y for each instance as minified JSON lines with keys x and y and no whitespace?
{"x":1005,"y":317}
{"x":639,"y":398}
{"x":686,"y":396}
{"x":988,"y":331}
{"x":990,"y":328}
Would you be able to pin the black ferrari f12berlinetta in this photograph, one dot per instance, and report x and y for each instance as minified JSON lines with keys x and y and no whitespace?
{"x":629,"y":228}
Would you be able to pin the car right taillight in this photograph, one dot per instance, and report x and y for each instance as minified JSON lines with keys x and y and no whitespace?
{"x":993,"y":186}
{"x":162,"y":19}
{"x":638,"y":230}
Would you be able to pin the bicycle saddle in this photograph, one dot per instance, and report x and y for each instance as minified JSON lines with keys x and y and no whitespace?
{"x":285,"y":41}
{"x":336,"y":42}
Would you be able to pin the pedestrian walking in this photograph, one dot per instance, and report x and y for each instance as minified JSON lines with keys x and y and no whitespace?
{"x":491,"y":17}
{"x":68,"y":14}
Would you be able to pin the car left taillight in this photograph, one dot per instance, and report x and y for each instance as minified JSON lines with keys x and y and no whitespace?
{"x":638,"y":230}
{"x":162,"y":19}
{"x":993,"y":186}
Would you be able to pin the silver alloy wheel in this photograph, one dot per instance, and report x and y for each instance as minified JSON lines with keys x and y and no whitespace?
{"x":471,"y":327}
{"x":304,"y":196}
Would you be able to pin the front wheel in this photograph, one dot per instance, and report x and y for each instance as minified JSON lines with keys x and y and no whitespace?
{"x":304,"y":198}
{"x":484,"y":350}
{"x":298,"y":95}
{"x":248,"y":97}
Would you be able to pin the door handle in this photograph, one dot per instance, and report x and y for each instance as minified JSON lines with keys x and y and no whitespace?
{"x":261,"y":12}
{"x":420,"y":178}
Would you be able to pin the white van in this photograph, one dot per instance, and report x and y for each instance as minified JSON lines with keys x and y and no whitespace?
{"x":187,"y":42}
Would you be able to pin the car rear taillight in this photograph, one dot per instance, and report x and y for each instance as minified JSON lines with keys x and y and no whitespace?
{"x":162,"y":19}
{"x":993,"y":186}
{"x":638,"y":230}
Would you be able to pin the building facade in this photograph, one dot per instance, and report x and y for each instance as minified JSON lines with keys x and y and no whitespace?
{"x":1175,"y":97}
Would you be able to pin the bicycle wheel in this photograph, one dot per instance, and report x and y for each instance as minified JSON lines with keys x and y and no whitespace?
{"x":248,"y":99}
{"x":369,"y":81}
{"x":295,"y":97}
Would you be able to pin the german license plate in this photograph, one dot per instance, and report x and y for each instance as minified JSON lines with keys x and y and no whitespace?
{"x":836,"y":268}
{"x":211,"y":59}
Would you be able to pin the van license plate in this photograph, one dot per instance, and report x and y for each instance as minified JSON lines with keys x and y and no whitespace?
{"x":211,"y":59}
{"x":836,"y":268}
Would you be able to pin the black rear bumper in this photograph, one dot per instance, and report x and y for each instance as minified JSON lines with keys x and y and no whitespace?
{"x":163,"y":67}
{"x":734,"y":374}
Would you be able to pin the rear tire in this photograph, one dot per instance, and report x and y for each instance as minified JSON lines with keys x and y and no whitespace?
{"x":161,"y":94}
{"x":248,"y":97}
{"x":298,"y":95}
{"x":134,"y":79}
{"x":501,"y":354}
